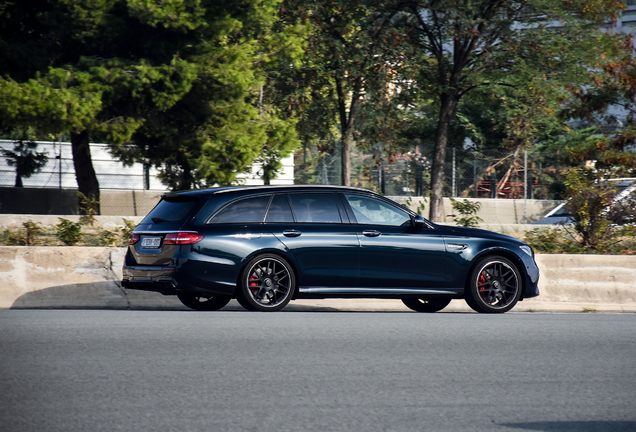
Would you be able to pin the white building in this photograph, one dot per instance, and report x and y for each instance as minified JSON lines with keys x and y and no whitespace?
{"x":59,"y":171}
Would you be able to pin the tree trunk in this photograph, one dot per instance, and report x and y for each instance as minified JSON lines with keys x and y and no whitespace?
{"x":346,"y":160}
{"x":346,"y":126}
{"x":186,"y":179}
{"x":18,"y":180}
{"x":84,"y":172}
{"x":447,"y":110}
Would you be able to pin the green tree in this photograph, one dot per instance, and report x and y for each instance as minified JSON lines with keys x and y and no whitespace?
{"x":608,"y":109}
{"x":339,"y":88}
{"x":222,"y":125}
{"x":463,"y":45}
{"x":171,"y":84}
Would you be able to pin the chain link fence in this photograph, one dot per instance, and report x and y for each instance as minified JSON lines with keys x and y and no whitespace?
{"x":59,"y":171}
{"x":468,"y":174}
{"x":134,"y":190}
{"x":124,"y":190}
{"x":498,"y":175}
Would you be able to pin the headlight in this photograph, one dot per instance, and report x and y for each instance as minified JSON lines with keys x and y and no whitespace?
{"x":528,"y":250}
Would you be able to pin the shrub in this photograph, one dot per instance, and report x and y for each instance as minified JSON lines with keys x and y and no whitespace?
{"x":108,"y":238}
{"x":88,"y":208}
{"x":127,"y":230}
{"x":32,"y":230}
{"x":18,"y":238}
{"x":68,"y":232}
{"x":13,"y":238}
{"x":467,"y":213}
{"x":552,"y":241}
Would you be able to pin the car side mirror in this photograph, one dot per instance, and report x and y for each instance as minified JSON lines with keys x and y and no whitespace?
{"x":419,"y":223}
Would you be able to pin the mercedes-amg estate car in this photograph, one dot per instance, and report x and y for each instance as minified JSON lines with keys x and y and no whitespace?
{"x":267,"y":245}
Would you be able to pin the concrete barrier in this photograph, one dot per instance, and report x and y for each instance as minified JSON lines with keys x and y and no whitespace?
{"x":492,"y":211}
{"x":88,"y":277}
{"x":69,"y":277}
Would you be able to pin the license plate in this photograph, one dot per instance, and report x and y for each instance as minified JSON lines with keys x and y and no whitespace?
{"x":151,"y":242}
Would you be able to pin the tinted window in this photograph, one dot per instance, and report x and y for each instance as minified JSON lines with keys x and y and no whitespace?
{"x":248,"y":210}
{"x":279,"y":210}
{"x":315,"y":207}
{"x":172,"y":209}
{"x":369,"y":210}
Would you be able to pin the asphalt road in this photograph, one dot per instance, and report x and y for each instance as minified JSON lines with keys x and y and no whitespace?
{"x":315,"y":371}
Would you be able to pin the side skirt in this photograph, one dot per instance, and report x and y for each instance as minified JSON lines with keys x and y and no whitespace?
{"x":331,"y":292}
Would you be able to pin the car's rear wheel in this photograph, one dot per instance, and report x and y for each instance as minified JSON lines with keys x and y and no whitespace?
{"x":267,"y":284}
{"x":203,"y":303}
{"x":426,"y":305}
{"x":494,"y":286}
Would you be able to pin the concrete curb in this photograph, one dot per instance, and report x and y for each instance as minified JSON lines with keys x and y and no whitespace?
{"x":88,"y":277}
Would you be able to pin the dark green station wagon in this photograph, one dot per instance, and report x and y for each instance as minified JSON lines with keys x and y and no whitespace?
{"x":268,"y":245}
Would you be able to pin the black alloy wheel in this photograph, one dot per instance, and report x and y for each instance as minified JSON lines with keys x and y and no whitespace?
{"x":426,"y":305}
{"x":204,"y":303}
{"x":494,"y":286}
{"x":267,"y":284}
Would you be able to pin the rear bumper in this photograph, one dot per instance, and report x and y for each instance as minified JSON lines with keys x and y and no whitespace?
{"x":170,"y":280}
{"x":151,"y":278}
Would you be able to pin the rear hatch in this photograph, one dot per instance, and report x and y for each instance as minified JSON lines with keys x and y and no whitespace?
{"x":157,"y":237}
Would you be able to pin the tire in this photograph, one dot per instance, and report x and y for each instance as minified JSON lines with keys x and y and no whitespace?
{"x":203,"y":303}
{"x":494,"y":285}
{"x":424,"y":305}
{"x":267,"y":284}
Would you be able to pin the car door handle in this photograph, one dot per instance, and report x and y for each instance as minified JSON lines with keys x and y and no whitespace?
{"x":371,"y":233}
{"x":291,"y":233}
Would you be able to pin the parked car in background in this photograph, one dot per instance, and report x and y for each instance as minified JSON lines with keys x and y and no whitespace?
{"x":625,"y":197}
{"x":266,"y":246}
{"x":557,"y":216}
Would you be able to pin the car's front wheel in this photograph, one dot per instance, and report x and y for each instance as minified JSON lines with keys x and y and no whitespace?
{"x":267,"y":284}
{"x":494,"y":286}
{"x":425,"y":305}
{"x":204,"y":303}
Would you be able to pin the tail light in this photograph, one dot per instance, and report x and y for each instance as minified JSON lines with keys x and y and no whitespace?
{"x":134,"y":238}
{"x":182,"y":238}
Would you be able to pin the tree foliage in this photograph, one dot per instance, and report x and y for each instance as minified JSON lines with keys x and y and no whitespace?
{"x":609,"y":109}
{"x":340,"y":92}
{"x":172,"y":84}
{"x":462,"y":46}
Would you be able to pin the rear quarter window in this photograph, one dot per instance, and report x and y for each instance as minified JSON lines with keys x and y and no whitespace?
{"x":245,"y":210}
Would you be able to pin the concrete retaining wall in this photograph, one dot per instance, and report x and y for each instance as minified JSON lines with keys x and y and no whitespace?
{"x":69,"y":277}
{"x":492,"y":211}
{"x":87,"y":277}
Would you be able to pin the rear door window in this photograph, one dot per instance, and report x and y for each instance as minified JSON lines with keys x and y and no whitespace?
{"x":246,"y":210}
{"x":279,"y":210}
{"x":315,"y":208}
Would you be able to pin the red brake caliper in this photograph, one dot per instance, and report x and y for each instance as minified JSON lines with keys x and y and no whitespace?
{"x":253,"y":284}
{"x":482,"y":282}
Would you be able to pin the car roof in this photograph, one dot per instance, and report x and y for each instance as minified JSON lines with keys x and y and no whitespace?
{"x":269,"y":188}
